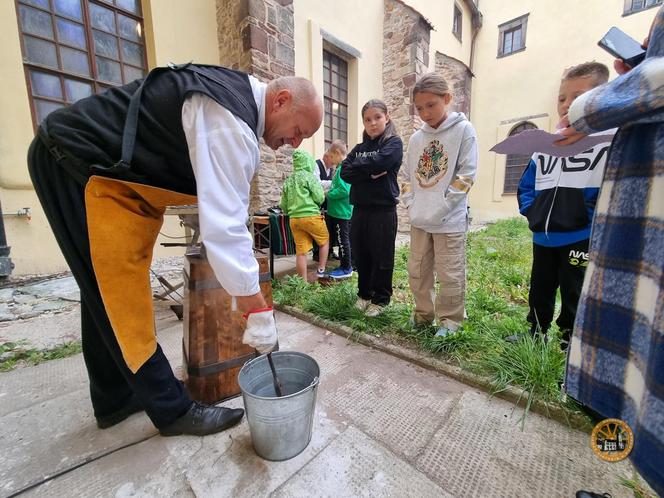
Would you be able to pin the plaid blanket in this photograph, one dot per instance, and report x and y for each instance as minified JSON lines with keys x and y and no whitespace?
{"x":616,"y":359}
{"x":280,"y":235}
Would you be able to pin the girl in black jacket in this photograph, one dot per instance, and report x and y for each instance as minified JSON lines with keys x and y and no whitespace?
{"x":371,"y":169}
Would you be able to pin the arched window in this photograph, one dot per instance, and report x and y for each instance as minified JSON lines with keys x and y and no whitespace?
{"x":516,"y":163}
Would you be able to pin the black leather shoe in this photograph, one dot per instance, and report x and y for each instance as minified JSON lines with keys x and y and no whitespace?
{"x":590,"y":494}
{"x":201,"y":420}
{"x":132,"y":406}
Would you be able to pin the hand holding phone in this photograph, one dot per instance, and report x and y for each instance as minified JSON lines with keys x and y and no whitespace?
{"x":623,"y":47}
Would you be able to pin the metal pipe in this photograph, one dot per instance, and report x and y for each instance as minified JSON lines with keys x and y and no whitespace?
{"x":6,"y":265}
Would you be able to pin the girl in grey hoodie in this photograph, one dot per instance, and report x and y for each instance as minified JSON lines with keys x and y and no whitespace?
{"x":440,"y":167}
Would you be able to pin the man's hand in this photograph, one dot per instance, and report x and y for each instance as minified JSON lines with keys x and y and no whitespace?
{"x":261,"y":331}
{"x":248,"y":303}
{"x":569,"y":134}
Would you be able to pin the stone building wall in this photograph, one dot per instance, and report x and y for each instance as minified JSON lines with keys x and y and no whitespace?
{"x":459,"y":78}
{"x":232,"y":19}
{"x":256,"y":36}
{"x":406,"y":37}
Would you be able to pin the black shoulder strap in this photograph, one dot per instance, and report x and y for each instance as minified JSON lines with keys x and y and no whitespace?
{"x":123,"y":166}
{"x":131,"y":122}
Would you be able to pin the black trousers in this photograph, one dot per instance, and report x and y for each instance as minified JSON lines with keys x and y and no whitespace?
{"x":555,"y":267}
{"x":339,"y":231}
{"x":111,"y":382}
{"x":372,"y":238}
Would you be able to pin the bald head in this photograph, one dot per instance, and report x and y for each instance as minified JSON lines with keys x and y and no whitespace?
{"x":293,"y":111}
{"x":303,"y":91}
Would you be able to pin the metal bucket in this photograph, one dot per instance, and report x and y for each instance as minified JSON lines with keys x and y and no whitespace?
{"x":280,"y":427}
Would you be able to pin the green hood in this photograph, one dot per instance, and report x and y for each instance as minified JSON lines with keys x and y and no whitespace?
{"x":303,"y":161}
{"x":303,"y":193}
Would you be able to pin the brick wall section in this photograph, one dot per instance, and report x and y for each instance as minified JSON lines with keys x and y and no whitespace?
{"x":406,"y":36}
{"x":459,"y":78}
{"x":256,"y":36}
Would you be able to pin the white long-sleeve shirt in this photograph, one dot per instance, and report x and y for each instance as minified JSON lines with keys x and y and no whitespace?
{"x":326,"y":184}
{"x":224,"y":153}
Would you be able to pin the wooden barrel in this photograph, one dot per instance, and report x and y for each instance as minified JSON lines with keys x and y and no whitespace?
{"x":212,"y":345}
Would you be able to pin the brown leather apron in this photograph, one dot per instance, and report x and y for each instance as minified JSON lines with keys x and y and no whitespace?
{"x":124,"y":220}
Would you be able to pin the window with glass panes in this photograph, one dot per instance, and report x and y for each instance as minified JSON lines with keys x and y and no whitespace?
{"x":74,"y":48}
{"x":637,"y":5}
{"x":335,"y":97}
{"x":512,"y":36}
{"x":457,"y":22}
{"x":516,"y":163}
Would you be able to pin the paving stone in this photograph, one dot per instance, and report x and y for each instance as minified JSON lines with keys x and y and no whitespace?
{"x":402,"y":418}
{"x":63,"y":288}
{"x":482,"y":451}
{"x":26,"y":299}
{"x":6,"y":294}
{"x":354,"y":465}
{"x":48,"y":306}
{"x":28,"y":314}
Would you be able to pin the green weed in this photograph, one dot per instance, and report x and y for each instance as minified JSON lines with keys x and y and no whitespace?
{"x":14,"y":354}
{"x":498,"y":271}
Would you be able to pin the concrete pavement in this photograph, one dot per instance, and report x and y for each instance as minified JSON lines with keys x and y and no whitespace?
{"x":383,"y":427}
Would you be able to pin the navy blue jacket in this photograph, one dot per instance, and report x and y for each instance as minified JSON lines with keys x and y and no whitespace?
{"x":372,"y":158}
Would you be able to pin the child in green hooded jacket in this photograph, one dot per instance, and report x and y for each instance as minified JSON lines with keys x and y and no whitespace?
{"x":339,"y":212}
{"x":300,"y":200}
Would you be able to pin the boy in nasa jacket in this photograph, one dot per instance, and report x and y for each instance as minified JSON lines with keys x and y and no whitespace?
{"x":557,"y":195}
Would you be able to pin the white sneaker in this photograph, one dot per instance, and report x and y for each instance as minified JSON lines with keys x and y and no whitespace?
{"x":361,"y":304}
{"x":444,"y":332}
{"x":373,"y":310}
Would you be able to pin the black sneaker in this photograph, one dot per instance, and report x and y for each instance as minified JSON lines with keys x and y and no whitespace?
{"x":532,"y":333}
{"x":132,"y":406}
{"x":202,"y":420}
{"x":565,"y":338}
{"x":590,"y":494}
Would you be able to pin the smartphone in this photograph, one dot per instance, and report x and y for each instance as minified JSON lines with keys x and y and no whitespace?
{"x":623,"y":46}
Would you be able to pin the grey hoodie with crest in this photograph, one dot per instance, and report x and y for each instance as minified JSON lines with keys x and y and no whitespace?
{"x":440,"y":167}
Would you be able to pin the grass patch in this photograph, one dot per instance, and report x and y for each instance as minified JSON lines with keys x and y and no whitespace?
{"x":635,"y":486}
{"x":498,"y":273}
{"x":14,"y":354}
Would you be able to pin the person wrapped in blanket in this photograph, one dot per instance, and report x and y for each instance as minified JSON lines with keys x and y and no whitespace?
{"x":616,"y":355}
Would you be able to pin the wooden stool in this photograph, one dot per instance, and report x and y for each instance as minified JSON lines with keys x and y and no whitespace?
{"x":213,"y":352}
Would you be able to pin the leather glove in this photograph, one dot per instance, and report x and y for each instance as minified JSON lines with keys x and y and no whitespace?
{"x":261,"y":330}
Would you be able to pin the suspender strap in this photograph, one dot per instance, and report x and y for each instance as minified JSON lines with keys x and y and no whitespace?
{"x":123,"y":166}
{"x":131,"y":122}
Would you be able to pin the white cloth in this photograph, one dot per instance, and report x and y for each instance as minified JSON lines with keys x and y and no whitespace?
{"x":261,"y":331}
{"x":224,"y":154}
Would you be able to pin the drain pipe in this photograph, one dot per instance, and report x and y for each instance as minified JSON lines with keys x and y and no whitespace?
{"x":6,"y":265}
{"x":476,"y":23}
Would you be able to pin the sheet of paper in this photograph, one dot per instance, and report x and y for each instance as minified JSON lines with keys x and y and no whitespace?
{"x":531,"y":141}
